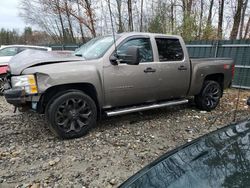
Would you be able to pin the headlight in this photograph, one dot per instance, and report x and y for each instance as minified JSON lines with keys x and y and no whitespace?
{"x":27,"y":82}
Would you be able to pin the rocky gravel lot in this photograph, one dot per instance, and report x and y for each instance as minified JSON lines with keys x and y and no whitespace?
{"x":30,"y":155}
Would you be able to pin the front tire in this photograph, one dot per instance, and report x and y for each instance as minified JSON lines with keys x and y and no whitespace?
{"x":1,"y":85}
{"x":209,"y":97}
{"x":72,"y":115}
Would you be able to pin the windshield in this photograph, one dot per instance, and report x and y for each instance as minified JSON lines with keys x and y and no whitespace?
{"x":95,"y":48}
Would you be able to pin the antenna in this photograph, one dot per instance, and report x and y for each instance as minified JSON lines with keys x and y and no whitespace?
{"x":112,"y":26}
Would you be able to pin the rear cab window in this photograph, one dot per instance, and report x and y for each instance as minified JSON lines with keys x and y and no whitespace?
{"x":169,"y":49}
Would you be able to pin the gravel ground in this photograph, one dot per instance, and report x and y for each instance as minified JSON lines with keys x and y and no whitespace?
{"x":30,"y":155}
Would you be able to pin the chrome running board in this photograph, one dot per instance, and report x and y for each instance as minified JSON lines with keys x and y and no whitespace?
{"x":144,"y":107}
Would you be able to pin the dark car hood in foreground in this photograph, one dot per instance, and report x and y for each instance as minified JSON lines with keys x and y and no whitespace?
{"x":219,"y":159}
{"x":29,"y":58}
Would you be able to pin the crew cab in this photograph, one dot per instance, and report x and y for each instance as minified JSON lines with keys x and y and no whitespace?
{"x":114,"y":75}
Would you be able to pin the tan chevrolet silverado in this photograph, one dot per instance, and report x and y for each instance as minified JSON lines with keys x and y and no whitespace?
{"x":113,"y":76}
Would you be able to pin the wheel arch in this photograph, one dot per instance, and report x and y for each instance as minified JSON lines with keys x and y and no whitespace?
{"x":218,"y":77}
{"x":54,"y":91}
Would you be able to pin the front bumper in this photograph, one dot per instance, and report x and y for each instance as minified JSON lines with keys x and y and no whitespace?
{"x":15,"y":97}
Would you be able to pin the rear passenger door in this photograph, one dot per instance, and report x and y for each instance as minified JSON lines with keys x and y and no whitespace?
{"x":174,"y":69}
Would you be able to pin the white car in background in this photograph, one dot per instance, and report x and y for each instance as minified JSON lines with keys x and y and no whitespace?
{"x":8,"y":51}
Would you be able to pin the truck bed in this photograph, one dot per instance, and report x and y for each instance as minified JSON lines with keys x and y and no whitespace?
{"x":210,"y":66}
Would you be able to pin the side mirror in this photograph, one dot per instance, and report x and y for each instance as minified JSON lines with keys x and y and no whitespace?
{"x":113,"y":59}
{"x":132,"y":56}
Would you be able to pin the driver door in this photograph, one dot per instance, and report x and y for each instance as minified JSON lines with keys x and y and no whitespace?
{"x":131,"y":84}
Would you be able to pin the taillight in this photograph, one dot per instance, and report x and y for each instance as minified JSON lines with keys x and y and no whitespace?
{"x":233,"y":68}
{"x":3,"y":70}
{"x":227,"y":67}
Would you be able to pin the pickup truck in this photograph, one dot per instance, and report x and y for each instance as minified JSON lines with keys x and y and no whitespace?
{"x":113,"y":75}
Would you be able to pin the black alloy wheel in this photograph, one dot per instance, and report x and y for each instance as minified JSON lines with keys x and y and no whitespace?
{"x":72,"y":114}
{"x":210,"y":95}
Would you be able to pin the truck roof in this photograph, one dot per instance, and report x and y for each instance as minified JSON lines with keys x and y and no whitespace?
{"x":149,"y":34}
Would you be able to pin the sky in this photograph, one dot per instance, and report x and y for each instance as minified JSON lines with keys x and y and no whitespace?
{"x":9,"y":18}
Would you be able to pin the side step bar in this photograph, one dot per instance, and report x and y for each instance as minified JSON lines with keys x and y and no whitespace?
{"x":145,"y":107}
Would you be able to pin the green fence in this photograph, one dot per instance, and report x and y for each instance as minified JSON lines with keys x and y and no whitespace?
{"x":239,"y":50}
{"x":70,"y":47}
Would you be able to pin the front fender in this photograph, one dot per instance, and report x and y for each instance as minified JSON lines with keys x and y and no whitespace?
{"x":72,"y":73}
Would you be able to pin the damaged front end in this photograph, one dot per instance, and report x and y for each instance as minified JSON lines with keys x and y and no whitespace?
{"x":21,"y":91}
{"x":24,"y":90}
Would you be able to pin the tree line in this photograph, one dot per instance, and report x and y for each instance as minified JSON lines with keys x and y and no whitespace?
{"x":27,"y":36}
{"x":71,"y":21}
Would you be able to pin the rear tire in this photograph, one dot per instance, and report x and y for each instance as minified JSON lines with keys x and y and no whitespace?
{"x":72,"y":115}
{"x":209,"y":97}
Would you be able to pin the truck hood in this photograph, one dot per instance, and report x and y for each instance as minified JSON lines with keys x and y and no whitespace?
{"x":31,"y":58}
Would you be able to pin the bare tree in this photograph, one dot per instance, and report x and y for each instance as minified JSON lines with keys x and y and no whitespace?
{"x":66,"y":8}
{"x":119,"y":10}
{"x":90,"y":14}
{"x":242,"y":20}
{"x":220,"y":22}
{"x":247,"y":28}
{"x":130,"y":15}
{"x":58,"y":10}
{"x":48,"y":17}
{"x":201,"y":18}
{"x":209,"y":18}
{"x":75,"y":20}
{"x":187,"y":7}
{"x":236,"y":23}
{"x":141,"y":25}
{"x":172,"y":16}
{"x":79,"y":22}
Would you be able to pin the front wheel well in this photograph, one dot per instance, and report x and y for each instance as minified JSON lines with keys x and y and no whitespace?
{"x":52,"y":92}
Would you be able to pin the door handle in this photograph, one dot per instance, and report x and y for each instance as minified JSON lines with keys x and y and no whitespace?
{"x":149,"y":69}
{"x":182,"y":67}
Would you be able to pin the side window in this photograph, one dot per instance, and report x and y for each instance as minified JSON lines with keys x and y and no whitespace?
{"x":169,"y":49}
{"x":11,"y":51}
{"x":144,"y":45}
